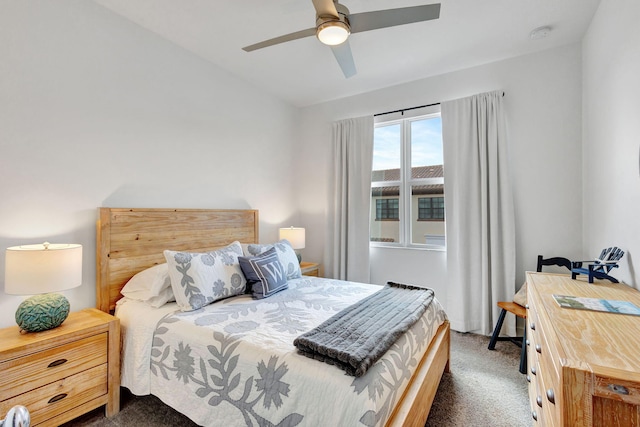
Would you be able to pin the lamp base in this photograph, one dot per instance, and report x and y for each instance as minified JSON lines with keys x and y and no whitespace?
{"x":42,"y":312}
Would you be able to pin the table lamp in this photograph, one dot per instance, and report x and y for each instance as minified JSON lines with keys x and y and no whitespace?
{"x":39,"y":269}
{"x":295,"y":236}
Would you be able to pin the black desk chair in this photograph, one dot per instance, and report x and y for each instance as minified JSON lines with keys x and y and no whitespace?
{"x":520,"y":311}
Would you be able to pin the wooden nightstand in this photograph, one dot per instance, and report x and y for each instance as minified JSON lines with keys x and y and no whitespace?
{"x":65,"y":372}
{"x":310,"y":268}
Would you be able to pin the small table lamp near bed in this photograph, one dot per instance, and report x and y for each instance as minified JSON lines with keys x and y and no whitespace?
{"x":295,"y":236}
{"x":38,"y":269}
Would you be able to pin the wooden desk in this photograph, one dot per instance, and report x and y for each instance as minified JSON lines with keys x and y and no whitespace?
{"x":584,"y":366}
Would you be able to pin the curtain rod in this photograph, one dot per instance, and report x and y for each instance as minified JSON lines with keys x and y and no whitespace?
{"x":409,"y":109}
{"x":406,"y":109}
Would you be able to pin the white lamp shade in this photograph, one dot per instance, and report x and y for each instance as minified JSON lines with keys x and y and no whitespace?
{"x":37,"y":269}
{"x":295,"y":236}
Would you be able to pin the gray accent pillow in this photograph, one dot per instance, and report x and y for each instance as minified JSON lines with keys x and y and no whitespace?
{"x":198,"y":279}
{"x":286,"y":255}
{"x":264,"y":273}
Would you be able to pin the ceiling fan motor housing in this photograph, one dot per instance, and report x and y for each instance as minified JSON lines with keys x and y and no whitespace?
{"x":330,"y":23}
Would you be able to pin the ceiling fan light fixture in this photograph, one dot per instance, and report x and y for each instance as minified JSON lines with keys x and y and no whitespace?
{"x":333,"y":33}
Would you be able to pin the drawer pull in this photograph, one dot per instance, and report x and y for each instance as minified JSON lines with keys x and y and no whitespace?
{"x":618,"y":389}
{"x":526,"y":306}
{"x":534,"y":414}
{"x":57,"y":363}
{"x":532,"y":326}
{"x":539,"y":401}
{"x":551,"y":396}
{"x":528,"y":379}
{"x":533,"y":370}
{"x":538,"y":348}
{"x":57,"y":398}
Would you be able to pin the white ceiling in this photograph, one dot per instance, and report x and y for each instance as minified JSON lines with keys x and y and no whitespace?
{"x":304,"y":72}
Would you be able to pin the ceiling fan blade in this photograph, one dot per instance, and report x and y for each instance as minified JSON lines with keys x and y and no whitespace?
{"x":282,"y":39}
{"x":343,"y":55}
{"x":366,"y":21}
{"x":325,"y":8}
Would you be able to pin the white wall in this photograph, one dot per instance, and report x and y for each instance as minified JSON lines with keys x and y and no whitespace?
{"x":611,"y":69}
{"x":543,"y":105}
{"x":95,"y":111}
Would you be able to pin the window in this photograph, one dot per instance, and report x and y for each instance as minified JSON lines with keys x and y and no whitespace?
{"x":407,"y":189}
{"x":387,"y":209}
{"x":430,"y":208}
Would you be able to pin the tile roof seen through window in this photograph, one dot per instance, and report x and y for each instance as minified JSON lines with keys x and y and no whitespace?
{"x":419,"y":172}
{"x":435,"y":171}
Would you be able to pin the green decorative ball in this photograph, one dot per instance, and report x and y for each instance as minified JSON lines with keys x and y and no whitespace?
{"x":42,"y":312}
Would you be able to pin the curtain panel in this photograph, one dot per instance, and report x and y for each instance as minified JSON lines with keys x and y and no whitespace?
{"x":479,"y":209}
{"x":352,"y":162}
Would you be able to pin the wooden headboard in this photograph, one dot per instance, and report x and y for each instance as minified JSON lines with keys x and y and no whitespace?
{"x":131,"y":240}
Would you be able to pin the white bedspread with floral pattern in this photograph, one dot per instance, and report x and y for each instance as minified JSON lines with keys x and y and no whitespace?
{"x":233,"y":363}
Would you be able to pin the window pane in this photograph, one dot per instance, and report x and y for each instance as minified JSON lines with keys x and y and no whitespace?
{"x":426,"y":148}
{"x":385,"y":214}
{"x":427,"y":215}
{"x":386,"y":153}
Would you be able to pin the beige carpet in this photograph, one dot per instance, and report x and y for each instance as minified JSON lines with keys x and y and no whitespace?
{"x":484,"y":388}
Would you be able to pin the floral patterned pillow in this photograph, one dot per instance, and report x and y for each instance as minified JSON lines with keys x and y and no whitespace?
{"x":286,"y":255}
{"x":198,"y":279}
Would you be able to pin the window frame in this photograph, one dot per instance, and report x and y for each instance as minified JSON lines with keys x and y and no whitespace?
{"x":406,"y":182}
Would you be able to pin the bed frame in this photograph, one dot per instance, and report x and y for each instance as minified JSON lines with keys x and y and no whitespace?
{"x":131,"y":240}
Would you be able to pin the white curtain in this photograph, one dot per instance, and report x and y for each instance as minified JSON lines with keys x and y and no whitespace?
{"x":479,"y":212}
{"x":352,"y":161}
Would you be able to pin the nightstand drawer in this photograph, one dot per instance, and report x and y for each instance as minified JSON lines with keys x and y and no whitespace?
{"x":27,"y":373}
{"x":63,"y":395}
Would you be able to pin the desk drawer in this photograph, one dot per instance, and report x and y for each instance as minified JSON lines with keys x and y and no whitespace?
{"x":35,"y":370}
{"x":617,"y":389}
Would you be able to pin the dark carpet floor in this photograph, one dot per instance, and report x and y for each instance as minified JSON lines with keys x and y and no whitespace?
{"x":484,"y":388}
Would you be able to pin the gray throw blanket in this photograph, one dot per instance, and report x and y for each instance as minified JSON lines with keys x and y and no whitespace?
{"x":355,"y":338}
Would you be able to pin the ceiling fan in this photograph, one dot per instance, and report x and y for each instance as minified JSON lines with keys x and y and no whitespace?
{"x":334,"y":24}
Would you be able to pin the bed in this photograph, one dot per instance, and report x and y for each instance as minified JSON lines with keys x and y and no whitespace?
{"x":233,"y":362}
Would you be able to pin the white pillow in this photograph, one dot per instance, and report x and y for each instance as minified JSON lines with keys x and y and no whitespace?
{"x":151,"y":285}
{"x":198,"y":279}
{"x":286,"y":255}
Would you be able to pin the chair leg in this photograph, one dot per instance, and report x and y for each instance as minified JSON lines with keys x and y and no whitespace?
{"x":523,"y":352}
{"x":496,"y":331}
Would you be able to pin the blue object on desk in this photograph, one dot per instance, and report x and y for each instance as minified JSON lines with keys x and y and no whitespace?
{"x":599,"y":269}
